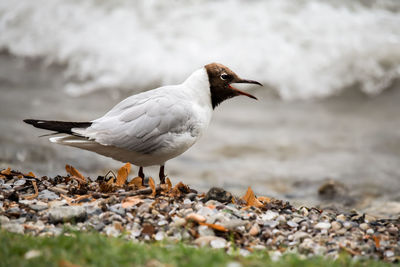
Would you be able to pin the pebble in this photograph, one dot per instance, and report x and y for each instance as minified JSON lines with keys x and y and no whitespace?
{"x":218,"y":194}
{"x":364,"y":226}
{"x":46,"y":194}
{"x":13,"y":227}
{"x":254,"y":230}
{"x":195,"y":217}
{"x":205,"y":240}
{"x":322,"y":225}
{"x":66,"y":214}
{"x":292,"y":224}
{"x":269,"y":215}
{"x":218,"y":243}
{"x":336,"y":225}
{"x":341,"y":217}
{"x":204,"y":230}
{"x":271,"y":224}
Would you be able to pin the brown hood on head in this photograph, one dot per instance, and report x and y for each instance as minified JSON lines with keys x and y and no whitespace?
{"x":221,"y":78}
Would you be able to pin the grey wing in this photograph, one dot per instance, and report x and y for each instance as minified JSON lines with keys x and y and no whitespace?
{"x":142,"y":124}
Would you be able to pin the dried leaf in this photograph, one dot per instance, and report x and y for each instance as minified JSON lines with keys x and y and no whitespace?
{"x":2,"y":176}
{"x":6,"y":171}
{"x":136,"y":183}
{"x":217,"y":227}
{"x":153,"y":187}
{"x":148,"y":229}
{"x":31,"y":174}
{"x":106,"y":187}
{"x":131,"y":201}
{"x":264,"y":199}
{"x":36,"y":191}
{"x":377,"y":241}
{"x":74,"y":172}
{"x":169,"y":184}
{"x":123,"y":174}
{"x":251,"y":199}
{"x":179,"y":190}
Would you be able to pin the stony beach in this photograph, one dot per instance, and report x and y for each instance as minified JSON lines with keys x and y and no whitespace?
{"x":113,"y":206}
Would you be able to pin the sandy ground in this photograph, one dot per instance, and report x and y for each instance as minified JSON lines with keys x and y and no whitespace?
{"x":282,"y":149}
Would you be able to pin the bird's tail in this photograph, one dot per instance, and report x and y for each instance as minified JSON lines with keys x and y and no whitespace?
{"x":58,"y":126}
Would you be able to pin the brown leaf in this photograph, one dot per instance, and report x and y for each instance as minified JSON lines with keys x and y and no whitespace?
{"x":123,"y":174}
{"x":153,"y":187}
{"x":169,"y":184}
{"x":31,"y":174}
{"x":106,"y":187}
{"x":136,"y":183}
{"x":179,"y":190}
{"x":131,"y":201}
{"x":377,"y":241}
{"x":251,"y":199}
{"x":148,"y":229}
{"x":217,"y":227}
{"x":74,"y":172}
{"x":264,"y":199}
{"x":36,"y":191}
{"x":6,"y":171}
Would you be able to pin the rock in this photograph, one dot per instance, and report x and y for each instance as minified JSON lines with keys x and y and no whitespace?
{"x":38,"y":207}
{"x":205,"y":231}
{"x":370,"y":231}
{"x":271,"y":224}
{"x":13,"y":227}
{"x":332,"y":190}
{"x":254,"y":230}
{"x":389,"y":254}
{"x":4,"y":219}
{"x":292,"y":224}
{"x":33,"y":253}
{"x":110,"y":230}
{"x":269,"y":215}
{"x":233,"y":223}
{"x":206,"y":240}
{"x":191,"y":196}
{"x":67,"y":214}
{"x":341,"y":218}
{"x":392,"y":230}
{"x":322,"y":225}
{"x":218,"y":194}
{"x":178,"y":221}
{"x":46,"y":194}
{"x":19,"y":182}
{"x":364,"y":226}
{"x":159,"y":236}
{"x":218,"y":243}
{"x":336,"y":225}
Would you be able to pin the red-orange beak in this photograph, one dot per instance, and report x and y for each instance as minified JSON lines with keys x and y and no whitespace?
{"x":240,"y":92}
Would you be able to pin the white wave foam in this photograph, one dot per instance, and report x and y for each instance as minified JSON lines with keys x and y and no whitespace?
{"x":304,"y":49}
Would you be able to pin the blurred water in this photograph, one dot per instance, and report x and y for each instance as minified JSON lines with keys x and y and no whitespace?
{"x":303,"y":49}
{"x":282,"y":149}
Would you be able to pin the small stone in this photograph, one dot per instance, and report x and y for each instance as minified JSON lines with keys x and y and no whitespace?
{"x":254,"y":230}
{"x":271,"y":224}
{"x":187,"y":201}
{"x":370,"y":231}
{"x":19,"y":182}
{"x":218,"y":194}
{"x":205,"y":231}
{"x":46,"y":194}
{"x":33,"y":253}
{"x":195,"y":217}
{"x":67,"y":214}
{"x":392,"y":230}
{"x":178,"y":221}
{"x":218,"y":243}
{"x":292,"y":224}
{"x":269,"y":215}
{"x":336,"y":225}
{"x":233,"y":224}
{"x":341,"y":217}
{"x":13,"y":227}
{"x":322,"y":225}
{"x":389,"y":253}
{"x":37,"y":207}
{"x":304,"y":211}
{"x":159,"y":236}
{"x":162,"y":222}
{"x":205,"y":240}
{"x":110,"y":230}
{"x":4,"y":219}
{"x":234,"y":264}
{"x":347,"y":225}
{"x":364,"y":226}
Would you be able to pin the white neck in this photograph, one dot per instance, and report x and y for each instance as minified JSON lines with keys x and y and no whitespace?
{"x":198,"y":87}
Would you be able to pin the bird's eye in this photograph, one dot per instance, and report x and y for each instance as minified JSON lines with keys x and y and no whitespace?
{"x":224,"y":76}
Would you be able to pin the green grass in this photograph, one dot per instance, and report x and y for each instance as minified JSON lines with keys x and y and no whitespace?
{"x":93,"y":249}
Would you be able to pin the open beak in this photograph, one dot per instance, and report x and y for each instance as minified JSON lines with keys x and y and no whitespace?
{"x":240,"y":92}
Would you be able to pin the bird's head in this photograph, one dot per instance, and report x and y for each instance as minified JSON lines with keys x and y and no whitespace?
{"x":221,"y":79}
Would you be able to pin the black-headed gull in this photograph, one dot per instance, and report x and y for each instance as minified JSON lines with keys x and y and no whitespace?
{"x":152,"y":127}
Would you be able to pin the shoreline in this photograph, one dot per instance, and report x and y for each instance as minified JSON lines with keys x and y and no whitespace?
{"x":43,"y":206}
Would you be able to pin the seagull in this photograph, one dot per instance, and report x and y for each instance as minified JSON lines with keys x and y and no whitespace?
{"x":155,"y":126}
